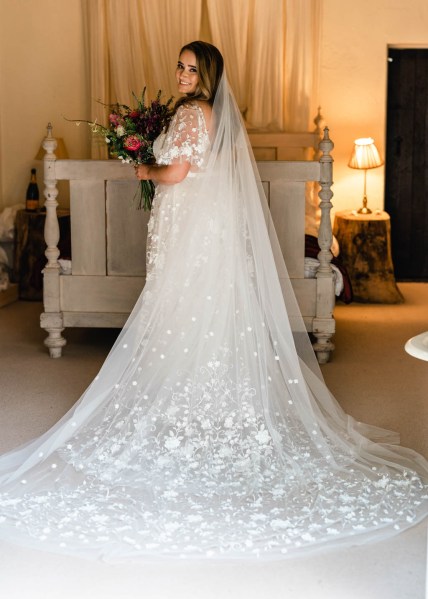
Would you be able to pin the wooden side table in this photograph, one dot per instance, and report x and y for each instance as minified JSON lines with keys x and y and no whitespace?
{"x":365,"y":250}
{"x":30,"y":246}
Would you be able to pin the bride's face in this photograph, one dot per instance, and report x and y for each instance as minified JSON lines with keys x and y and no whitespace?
{"x":187,"y":73}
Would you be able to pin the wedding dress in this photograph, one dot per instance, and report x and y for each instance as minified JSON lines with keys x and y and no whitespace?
{"x":209,"y":431}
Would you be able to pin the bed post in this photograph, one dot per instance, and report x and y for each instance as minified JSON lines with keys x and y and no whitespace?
{"x":51,"y":319}
{"x":324,"y":324}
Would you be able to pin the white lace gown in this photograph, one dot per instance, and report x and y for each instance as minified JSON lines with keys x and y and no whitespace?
{"x":204,"y":435}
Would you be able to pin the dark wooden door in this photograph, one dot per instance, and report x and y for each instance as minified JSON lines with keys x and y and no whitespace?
{"x":406,"y":183}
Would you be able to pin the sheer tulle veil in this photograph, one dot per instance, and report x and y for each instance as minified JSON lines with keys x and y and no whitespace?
{"x":209,"y":430}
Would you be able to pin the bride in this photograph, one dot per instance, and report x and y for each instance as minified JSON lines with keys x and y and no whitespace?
{"x":209,"y":431}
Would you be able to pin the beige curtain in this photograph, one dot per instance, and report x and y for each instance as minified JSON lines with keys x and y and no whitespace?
{"x":167,"y":26}
{"x":250,"y":35}
{"x":271,"y":55}
{"x":229,"y":24}
{"x":96,"y":37}
{"x":266,"y":65}
{"x":270,"y":49}
{"x":129,"y":68}
{"x":302,"y":36}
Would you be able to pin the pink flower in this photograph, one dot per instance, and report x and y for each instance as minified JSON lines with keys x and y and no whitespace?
{"x":114,"y":119}
{"x":132,"y":143}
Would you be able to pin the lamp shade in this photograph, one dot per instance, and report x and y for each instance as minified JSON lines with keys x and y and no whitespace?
{"x":365,"y":154}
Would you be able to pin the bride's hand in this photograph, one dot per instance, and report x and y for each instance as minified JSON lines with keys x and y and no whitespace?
{"x":142,"y":171}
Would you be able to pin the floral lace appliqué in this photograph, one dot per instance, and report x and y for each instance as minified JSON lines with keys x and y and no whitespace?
{"x":186,"y":139}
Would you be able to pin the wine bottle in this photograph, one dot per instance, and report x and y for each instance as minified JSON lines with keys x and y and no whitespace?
{"x":32,"y":197}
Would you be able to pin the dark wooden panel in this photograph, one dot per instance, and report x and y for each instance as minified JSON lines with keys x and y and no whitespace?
{"x":406,"y":185}
{"x":420,"y":165}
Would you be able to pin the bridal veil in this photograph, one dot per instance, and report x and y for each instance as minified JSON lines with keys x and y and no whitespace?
{"x":209,"y":431}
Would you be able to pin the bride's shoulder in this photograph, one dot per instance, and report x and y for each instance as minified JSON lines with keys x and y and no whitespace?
{"x":194,"y":109}
{"x":199,"y":105}
{"x":203,"y":108}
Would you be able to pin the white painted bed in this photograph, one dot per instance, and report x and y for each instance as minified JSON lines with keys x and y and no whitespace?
{"x":108,"y":243}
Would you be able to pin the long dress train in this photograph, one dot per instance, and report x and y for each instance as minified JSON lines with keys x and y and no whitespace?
{"x":209,"y":431}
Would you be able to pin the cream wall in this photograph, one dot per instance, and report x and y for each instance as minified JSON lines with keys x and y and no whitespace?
{"x":42,"y":77}
{"x":353,"y":80}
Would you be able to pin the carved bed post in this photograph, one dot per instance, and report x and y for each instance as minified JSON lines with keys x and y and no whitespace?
{"x":324,"y":324}
{"x":51,"y":319}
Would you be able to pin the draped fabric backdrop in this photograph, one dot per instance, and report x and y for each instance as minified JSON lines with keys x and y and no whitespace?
{"x":302,"y":49}
{"x":266,"y":64}
{"x":270,"y":49}
{"x":229,"y":23}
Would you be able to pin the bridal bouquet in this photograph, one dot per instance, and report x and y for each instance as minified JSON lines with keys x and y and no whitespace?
{"x":131,"y":133}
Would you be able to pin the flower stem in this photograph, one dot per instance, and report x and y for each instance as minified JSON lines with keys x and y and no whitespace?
{"x":144,"y":195}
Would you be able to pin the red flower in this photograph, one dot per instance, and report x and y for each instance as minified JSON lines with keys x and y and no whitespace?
{"x":134,"y":114}
{"x":132,"y":143}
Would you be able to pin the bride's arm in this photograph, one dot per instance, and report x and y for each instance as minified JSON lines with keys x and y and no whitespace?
{"x":169,"y":174}
{"x":185,"y":144}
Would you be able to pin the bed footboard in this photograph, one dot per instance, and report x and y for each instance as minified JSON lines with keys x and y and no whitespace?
{"x":108,"y":243}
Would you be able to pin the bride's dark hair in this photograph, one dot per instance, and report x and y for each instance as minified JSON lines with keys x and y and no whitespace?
{"x":209,"y":63}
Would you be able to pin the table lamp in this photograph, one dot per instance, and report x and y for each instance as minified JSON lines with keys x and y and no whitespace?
{"x":364,"y":156}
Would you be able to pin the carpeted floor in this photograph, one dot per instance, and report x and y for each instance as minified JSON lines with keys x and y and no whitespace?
{"x":370,"y":375}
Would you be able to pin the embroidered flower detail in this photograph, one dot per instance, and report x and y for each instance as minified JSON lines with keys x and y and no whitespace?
{"x":263,"y":436}
{"x":172,"y":442}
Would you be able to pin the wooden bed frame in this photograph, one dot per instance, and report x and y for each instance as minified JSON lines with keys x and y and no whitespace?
{"x":108,"y":243}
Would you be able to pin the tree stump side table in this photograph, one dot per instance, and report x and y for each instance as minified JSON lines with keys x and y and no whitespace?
{"x":365,"y":250}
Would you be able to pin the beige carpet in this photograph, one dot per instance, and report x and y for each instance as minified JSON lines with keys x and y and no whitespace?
{"x":371,"y":376}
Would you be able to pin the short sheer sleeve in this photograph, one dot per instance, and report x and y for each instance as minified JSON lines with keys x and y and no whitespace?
{"x":186,"y":139}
